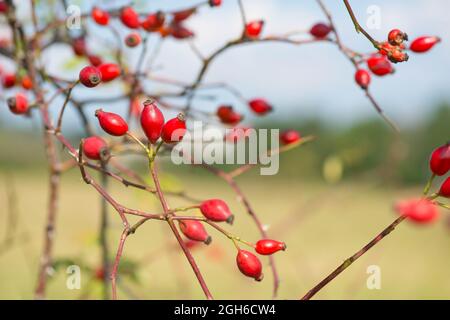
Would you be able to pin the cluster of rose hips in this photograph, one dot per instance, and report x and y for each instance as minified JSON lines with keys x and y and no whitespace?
{"x":425,"y":210}
{"x":18,"y":104}
{"x":165,"y":24}
{"x":215,"y":210}
{"x":392,"y":51}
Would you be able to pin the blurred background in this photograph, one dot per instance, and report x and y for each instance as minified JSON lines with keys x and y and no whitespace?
{"x":329,"y":198}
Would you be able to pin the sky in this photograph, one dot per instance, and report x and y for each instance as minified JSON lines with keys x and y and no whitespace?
{"x":306,"y":81}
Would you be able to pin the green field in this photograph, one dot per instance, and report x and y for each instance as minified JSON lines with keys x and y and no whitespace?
{"x":321,"y":224}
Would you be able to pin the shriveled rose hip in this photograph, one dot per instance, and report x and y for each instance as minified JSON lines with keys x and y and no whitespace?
{"x":133,"y":39}
{"x":129,"y":18}
{"x":109,"y":71}
{"x":260,"y":106}
{"x":152,"y":121}
{"x":195,"y":230}
{"x":440,"y":160}
{"x":254,"y":28}
{"x":379,"y":65}
{"x":424,"y":44}
{"x":420,"y":210}
{"x":18,"y":104}
{"x":111,"y":123}
{"x":362,"y":78}
{"x":153,"y":21}
{"x":249,"y":265}
{"x":90,"y":76}
{"x":216,"y":210}
{"x":100,"y":17}
{"x":290,"y":136}
{"x":174,"y":129}
{"x":320,"y":30}
{"x":95,"y":148}
{"x":396,"y":37}
{"x":268,"y":246}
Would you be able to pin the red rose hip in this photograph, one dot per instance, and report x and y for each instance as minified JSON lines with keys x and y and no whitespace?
{"x":260,"y":106}
{"x":152,"y":121}
{"x":320,"y":30}
{"x":194,"y":230}
{"x":90,"y":76}
{"x":95,"y":148}
{"x":174,"y":129}
{"x":130,"y":18}
{"x":133,"y":39}
{"x":268,"y":247}
{"x":109,"y":71}
{"x":227,"y":115}
{"x":379,"y":65}
{"x":153,"y":21}
{"x":440,"y":160}
{"x":112,"y":123}
{"x":216,"y":210}
{"x":253,"y":29}
{"x":9,"y":80}
{"x":362,"y":78}
{"x":18,"y":104}
{"x":424,"y":44}
{"x":249,"y":265}
{"x":100,"y":17}
{"x":421,"y":211}
{"x":290,"y":136}
{"x":444,"y":191}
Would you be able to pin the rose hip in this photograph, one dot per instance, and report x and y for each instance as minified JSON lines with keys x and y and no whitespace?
{"x":100,"y":17}
{"x":424,"y":44}
{"x":249,"y":265}
{"x":95,"y":148}
{"x":129,"y":18}
{"x":194,"y":230}
{"x":216,"y":210}
{"x":90,"y":76}
{"x":18,"y":104}
{"x":260,"y":106}
{"x":440,"y":160}
{"x":133,"y":39}
{"x":268,"y":247}
{"x":253,"y":29}
{"x":109,"y":71}
{"x":362,"y":78}
{"x":174,"y":129}
{"x":320,"y":30}
{"x":290,"y":136}
{"x":153,"y":21}
{"x":112,"y":123}
{"x":421,"y":210}
{"x":152,"y":121}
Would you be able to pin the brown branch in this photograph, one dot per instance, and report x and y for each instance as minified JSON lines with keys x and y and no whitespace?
{"x":353,"y":258}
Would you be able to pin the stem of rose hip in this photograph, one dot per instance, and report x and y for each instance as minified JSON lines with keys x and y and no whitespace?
{"x":139,"y":142}
{"x":358,"y":27}
{"x":175,"y":231}
{"x":429,"y":184}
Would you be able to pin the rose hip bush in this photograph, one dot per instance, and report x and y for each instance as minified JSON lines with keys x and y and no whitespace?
{"x":30,"y":89}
